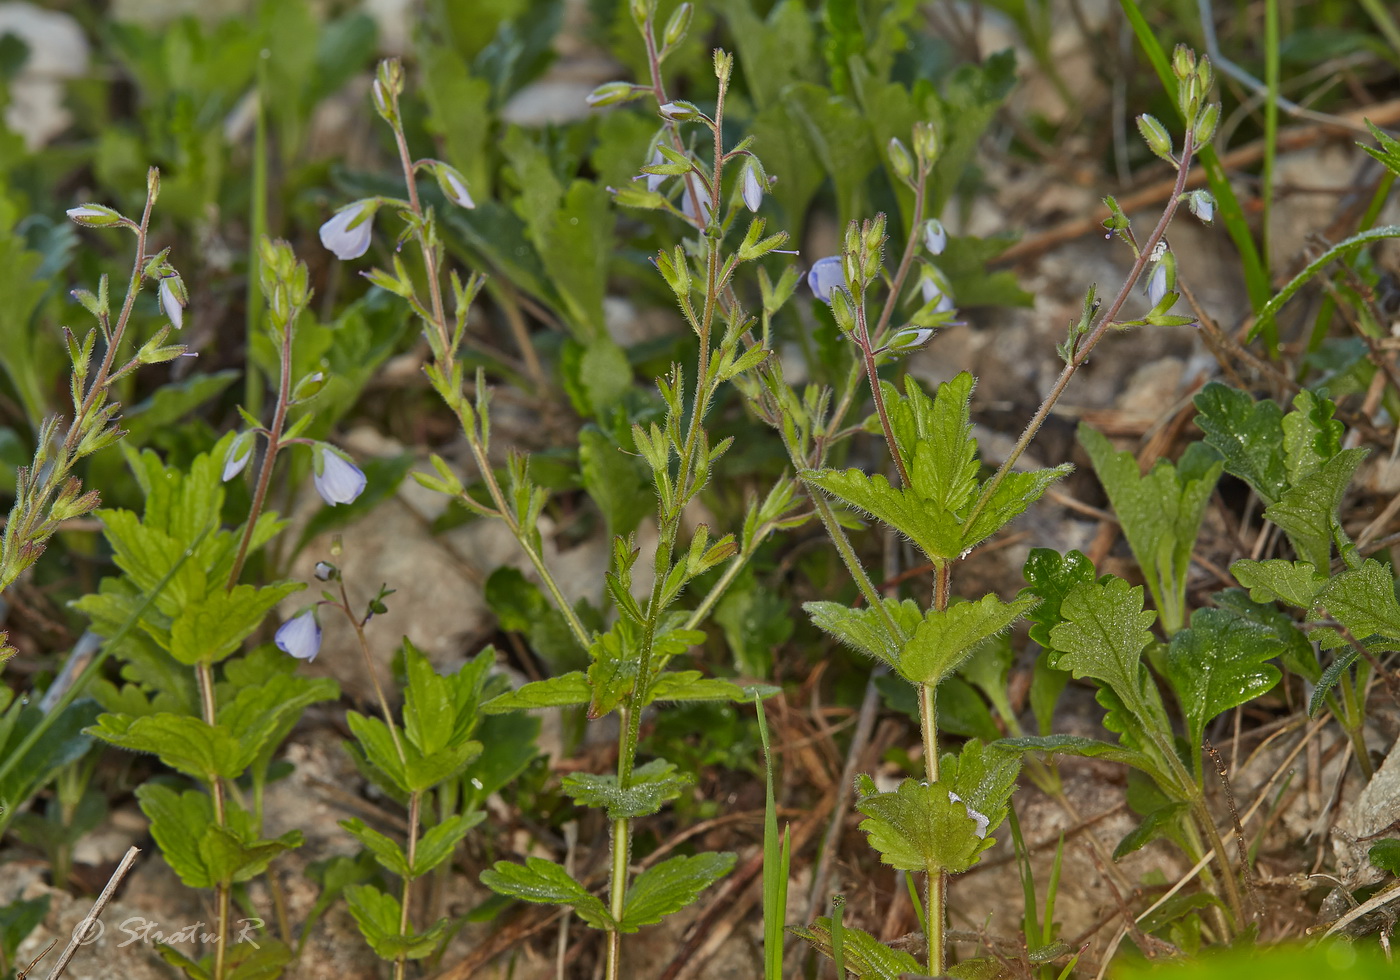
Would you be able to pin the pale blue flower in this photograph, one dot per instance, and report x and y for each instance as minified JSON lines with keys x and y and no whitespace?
{"x":300,"y":636}
{"x":935,"y":289}
{"x":172,"y":301}
{"x":337,"y":480}
{"x":1157,"y":285}
{"x":240,"y":451}
{"x":825,"y":275}
{"x":751,"y":187}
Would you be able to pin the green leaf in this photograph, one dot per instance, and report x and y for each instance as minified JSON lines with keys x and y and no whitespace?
{"x":19,"y":918}
{"x":865,"y":956}
{"x":1160,"y":513}
{"x":983,"y":777}
{"x":1275,"y":580}
{"x":1165,"y":821}
{"x":1298,"y":654}
{"x":1385,"y":855}
{"x":1013,"y":495}
{"x":1078,"y":745}
{"x":1330,"y":677}
{"x":689,"y":685}
{"x":183,"y":742}
{"x":1339,"y":250}
{"x":438,"y":843}
{"x":1307,"y":512}
{"x":1050,"y":576}
{"x":1363,"y":600}
{"x":385,"y":850}
{"x":670,"y":886}
{"x":865,"y":629}
{"x":651,"y":786}
{"x":616,"y":480}
{"x":918,"y":827}
{"x":235,"y":852}
{"x":946,"y":638}
{"x":210,"y":628}
{"x":1248,"y":434}
{"x":178,"y":822}
{"x":1220,"y":662}
{"x":935,"y":440}
{"x":378,"y":914}
{"x":1103,"y":637}
{"x":539,"y":880}
{"x":566,"y":689}
{"x":1311,"y":436}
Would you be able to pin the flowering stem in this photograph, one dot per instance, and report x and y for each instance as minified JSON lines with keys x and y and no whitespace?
{"x":1094,"y":336}
{"x":414,"y":801}
{"x":21,"y":528}
{"x":878,"y":396}
{"x":205,"y":675}
{"x":359,"y":628}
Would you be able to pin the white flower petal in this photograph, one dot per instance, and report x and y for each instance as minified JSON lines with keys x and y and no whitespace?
{"x":337,"y":480}
{"x":170,"y":303}
{"x":752,"y":189}
{"x":346,"y":242}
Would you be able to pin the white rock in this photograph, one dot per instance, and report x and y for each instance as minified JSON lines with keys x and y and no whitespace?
{"x":57,"y":50}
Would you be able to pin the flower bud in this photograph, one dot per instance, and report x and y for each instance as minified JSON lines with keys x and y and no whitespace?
{"x":1202,"y":205}
{"x":173,"y":299}
{"x":347,"y":233}
{"x":1206,"y":123}
{"x":935,"y":236}
{"x":337,"y":480}
{"x":240,"y":451}
{"x":900,"y":160}
{"x":936,"y":290}
{"x":453,"y":185}
{"x":678,"y":25}
{"x":611,"y":93}
{"x":1158,"y":140}
{"x":926,"y":144}
{"x":308,"y":387}
{"x":679,"y":111}
{"x":751,"y":184}
{"x":95,"y":216}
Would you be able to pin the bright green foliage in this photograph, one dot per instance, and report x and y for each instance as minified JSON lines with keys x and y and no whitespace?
{"x":197,"y":849}
{"x":865,"y":629}
{"x":936,"y":511}
{"x":651,"y":786}
{"x":377,"y":913}
{"x":1275,"y":580}
{"x":1248,"y":434}
{"x":670,"y":886}
{"x":865,"y":956}
{"x":918,"y":827}
{"x":1103,"y":637}
{"x":983,"y":777}
{"x":945,"y":639}
{"x":1294,"y":462}
{"x":1218,"y":664}
{"x":1050,"y":576}
{"x":1160,"y":512}
{"x":617,"y":657}
{"x":554,"y":692}
{"x":1363,"y":600}
{"x":545,"y":882}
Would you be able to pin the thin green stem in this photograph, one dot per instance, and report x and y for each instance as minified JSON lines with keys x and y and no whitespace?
{"x":877,"y":396}
{"x":414,"y":801}
{"x":204,"y":673}
{"x":359,"y":628}
{"x":1090,"y":341}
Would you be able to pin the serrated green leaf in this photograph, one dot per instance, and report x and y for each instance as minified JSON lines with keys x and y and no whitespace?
{"x":948,"y":637}
{"x":1049,"y":576}
{"x":566,"y":689}
{"x":1103,"y":637}
{"x":865,"y":956}
{"x":182,"y":742}
{"x":1296,"y":583}
{"x":1385,"y":855}
{"x":934,"y":437}
{"x":1298,"y":655}
{"x":1363,"y":600}
{"x":385,"y":850}
{"x":438,"y":842}
{"x":865,"y":628}
{"x":670,"y":886}
{"x":1013,"y":495}
{"x":1247,"y":434}
{"x":1160,"y":513}
{"x":689,"y":685}
{"x":651,"y":786}
{"x":1311,"y":436}
{"x":545,"y":882}
{"x":235,"y":853}
{"x":1307,"y":511}
{"x":983,"y":777}
{"x":918,"y":827}
{"x":1216,"y":664}
{"x":178,"y":821}
{"x":378,"y":913}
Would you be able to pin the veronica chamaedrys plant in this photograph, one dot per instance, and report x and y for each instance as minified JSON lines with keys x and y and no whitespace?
{"x":47,"y":492}
{"x":191,"y":619}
